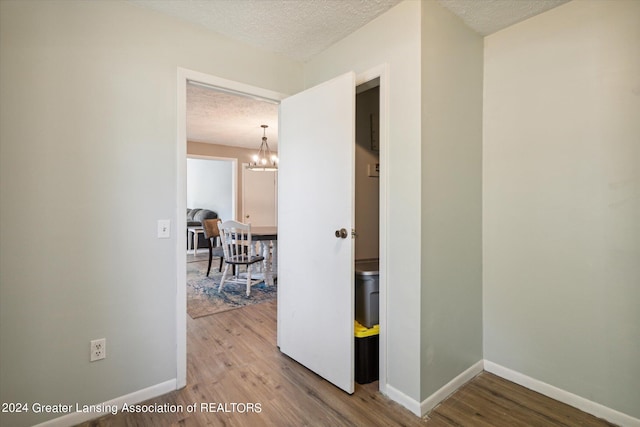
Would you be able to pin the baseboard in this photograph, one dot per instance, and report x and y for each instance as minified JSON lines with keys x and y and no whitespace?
{"x":404,"y":400}
{"x":421,"y":409}
{"x":451,"y":387}
{"x":132,"y":398}
{"x":563,"y":396}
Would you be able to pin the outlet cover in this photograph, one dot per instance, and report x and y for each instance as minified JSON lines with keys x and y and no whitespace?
{"x":98,"y":349}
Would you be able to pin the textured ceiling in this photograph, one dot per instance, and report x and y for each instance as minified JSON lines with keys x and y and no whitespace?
{"x":489,"y":16}
{"x":221,"y":118}
{"x":299,"y":29}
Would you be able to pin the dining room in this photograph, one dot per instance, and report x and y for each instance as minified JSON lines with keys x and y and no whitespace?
{"x":224,"y":133}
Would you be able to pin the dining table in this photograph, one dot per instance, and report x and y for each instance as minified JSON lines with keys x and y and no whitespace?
{"x":267,"y":238}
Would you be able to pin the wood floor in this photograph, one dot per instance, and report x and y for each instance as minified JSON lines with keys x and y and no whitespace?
{"x":233,"y":360}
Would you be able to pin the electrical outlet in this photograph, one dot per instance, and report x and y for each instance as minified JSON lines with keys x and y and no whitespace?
{"x":98,"y":349}
{"x":164,"y":228}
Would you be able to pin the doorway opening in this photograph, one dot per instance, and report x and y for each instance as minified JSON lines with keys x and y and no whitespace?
{"x":367,"y":172}
{"x":367,"y":226}
{"x":189,"y":79}
{"x":185,"y":76}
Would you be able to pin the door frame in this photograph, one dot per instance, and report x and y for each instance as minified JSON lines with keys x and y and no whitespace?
{"x":184,"y":76}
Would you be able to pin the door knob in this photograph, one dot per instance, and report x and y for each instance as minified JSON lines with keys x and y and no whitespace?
{"x":342,"y":233}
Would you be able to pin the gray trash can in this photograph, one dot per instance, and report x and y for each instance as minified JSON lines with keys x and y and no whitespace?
{"x":367,"y":293}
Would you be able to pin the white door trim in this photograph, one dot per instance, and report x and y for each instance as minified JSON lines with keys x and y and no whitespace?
{"x":183,"y":77}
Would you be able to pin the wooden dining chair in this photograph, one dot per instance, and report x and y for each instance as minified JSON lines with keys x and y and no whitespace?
{"x":211,"y":234}
{"x":237,"y":247}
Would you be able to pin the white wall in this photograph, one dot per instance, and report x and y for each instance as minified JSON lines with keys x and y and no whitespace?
{"x":88,"y":165}
{"x":210,"y":186}
{"x":451,"y":197}
{"x":393,"y":38}
{"x":562,"y":200}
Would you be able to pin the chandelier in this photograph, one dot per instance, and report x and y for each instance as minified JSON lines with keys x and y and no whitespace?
{"x":264,"y":160}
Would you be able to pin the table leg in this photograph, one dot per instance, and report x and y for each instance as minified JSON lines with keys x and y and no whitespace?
{"x":274,"y":258}
{"x":266,"y":253}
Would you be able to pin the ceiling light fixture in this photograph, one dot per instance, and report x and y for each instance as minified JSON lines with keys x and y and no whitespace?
{"x":264,"y":160}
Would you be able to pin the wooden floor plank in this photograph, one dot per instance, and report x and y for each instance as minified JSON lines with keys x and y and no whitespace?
{"x":551,"y":410}
{"x":233,"y":358}
{"x":505,"y":404}
{"x":463,"y":406}
{"x":516,"y":413}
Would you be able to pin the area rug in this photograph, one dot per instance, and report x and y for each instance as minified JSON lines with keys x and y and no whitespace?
{"x":204,"y":299}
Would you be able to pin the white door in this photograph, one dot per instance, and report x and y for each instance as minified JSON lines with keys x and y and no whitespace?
{"x":316,"y":148}
{"x":259,"y":197}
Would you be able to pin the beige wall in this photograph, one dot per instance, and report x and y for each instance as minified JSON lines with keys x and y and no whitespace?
{"x":451,"y":198}
{"x":242,"y":155}
{"x":562,"y":200}
{"x":88,"y":165}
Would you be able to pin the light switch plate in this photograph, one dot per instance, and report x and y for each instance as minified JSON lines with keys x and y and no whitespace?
{"x":164,"y":228}
{"x":373,"y":169}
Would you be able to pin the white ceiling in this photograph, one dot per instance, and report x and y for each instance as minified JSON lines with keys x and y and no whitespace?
{"x":299,"y":29}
